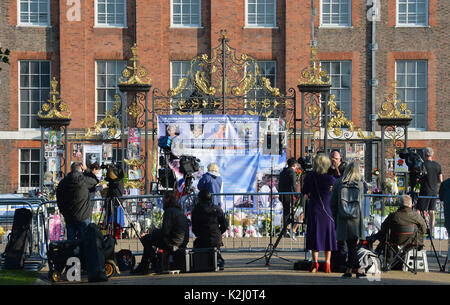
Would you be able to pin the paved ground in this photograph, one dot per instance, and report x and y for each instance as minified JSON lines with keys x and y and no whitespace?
{"x":238,"y":271}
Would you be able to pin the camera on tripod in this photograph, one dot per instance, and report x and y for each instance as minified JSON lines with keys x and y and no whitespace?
{"x":114,"y":172}
{"x":189,"y":165}
{"x":415,"y":164}
{"x":306,"y":163}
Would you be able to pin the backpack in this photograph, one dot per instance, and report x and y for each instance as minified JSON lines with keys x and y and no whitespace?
{"x":349,"y":207}
{"x":19,"y":239}
{"x":368,"y":261}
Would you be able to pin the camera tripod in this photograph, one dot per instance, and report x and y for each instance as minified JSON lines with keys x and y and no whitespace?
{"x":110,"y":208}
{"x":271,"y":248}
{"x":187,"y":190}
{"x":415,"y":197}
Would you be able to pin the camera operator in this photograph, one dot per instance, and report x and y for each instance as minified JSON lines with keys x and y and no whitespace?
{"x":337,"y":167}
{"x":288,"y":183}
{"x":173,"y":234}
{"x":208,"y":224}
{"x":95,"y":169}
{"x":73,"y":199}
{"x":429,"y":186}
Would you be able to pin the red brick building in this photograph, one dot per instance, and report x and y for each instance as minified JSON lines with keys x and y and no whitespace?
{"x":85,"y":44}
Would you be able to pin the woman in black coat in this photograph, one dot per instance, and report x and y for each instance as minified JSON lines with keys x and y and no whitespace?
{"x":208,"y":223}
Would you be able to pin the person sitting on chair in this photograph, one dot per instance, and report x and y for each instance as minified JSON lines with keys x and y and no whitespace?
{"x":173,"y":234}
{"x":404,"y":216}
{"x":208,"y":224}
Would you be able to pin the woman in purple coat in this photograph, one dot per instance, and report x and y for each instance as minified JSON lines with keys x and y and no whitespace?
{"x":320,"y":234}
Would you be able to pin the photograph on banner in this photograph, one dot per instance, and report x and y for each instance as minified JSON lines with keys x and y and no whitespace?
{"x":239,"y":159}
{"x":389,"y":164}
{"x":356,"y":151}
{"x":222,"y":134}
{"x":400,"y":179}
{"x":48,"y":178}
{"x":400,"y":165}
{"x":50,"y":151}
{"x":54,"y":137}
{"x":77,"y":152}
{"x":53,"y":164}
{"x":92,"y":154}
{"x":107,"y":150}
{"x":134,"y":174}
{"x":134,"y":143}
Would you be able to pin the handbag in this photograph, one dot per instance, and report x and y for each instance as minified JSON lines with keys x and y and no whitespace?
{"x":320,"y":198}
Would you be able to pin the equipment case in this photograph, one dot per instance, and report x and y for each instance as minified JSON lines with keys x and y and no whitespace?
{"x":204,"y":259}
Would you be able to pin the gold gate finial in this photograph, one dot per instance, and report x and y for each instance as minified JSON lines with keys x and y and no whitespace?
{"x":54,"y":108}
{"x":394,"y":107}
{"x":314,"y":75}
{"x":134,"y":75}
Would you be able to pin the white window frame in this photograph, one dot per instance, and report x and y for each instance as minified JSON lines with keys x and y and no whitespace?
{"x":182,"y":62}
{"x":413,"y":124}
{"x":32,"y":24}
{"x":118,"y":74}
{"x":266,"y":25}
{"x":42,"y":98}
{"x":265,"y":62}
{"x":111,"y":25}
{"x":398,"y":24}
{"x":29,"y":187}
{"x":191,"y":25}
{"x":348,"y":114}
{"x":336,"y":25}
{"x":174,"y":84}
{"x":272,"y":84}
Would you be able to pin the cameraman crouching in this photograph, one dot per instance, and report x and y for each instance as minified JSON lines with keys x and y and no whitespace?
{"x":208,"y":224}
{"x":173,"y":234}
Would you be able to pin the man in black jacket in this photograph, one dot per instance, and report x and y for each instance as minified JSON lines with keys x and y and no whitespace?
{"x":288,"y":183}
{"x":208,"y":224}
{"x":74,"y":200}
{"x":173,"y":234}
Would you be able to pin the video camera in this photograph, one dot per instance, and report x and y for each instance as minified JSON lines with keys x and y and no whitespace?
{"x":415,"y":164}
{"x":189,"y":165}
{"x":114,"y":172}
{"x":306,"y":163}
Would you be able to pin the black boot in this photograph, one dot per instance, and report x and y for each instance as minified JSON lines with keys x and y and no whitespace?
{"x":142,"y":268}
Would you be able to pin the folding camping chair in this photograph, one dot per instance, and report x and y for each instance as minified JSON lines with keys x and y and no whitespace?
{"x":399,"y":240}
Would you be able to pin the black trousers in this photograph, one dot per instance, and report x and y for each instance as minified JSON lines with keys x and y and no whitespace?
{"x":352,"y":248}
{"x":287,"y":201}
{"x":151,"y":241}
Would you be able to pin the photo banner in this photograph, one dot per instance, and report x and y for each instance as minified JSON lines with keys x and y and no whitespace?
{"x":233,"y":142}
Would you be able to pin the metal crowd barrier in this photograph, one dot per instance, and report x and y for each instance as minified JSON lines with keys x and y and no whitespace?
{"x":252,"y":225}
{"x":249,"y":217}
{"x":143,"y":212}
{"x":33,"y":260}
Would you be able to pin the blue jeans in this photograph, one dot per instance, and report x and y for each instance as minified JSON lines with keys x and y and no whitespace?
{"x":76,"y":229}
